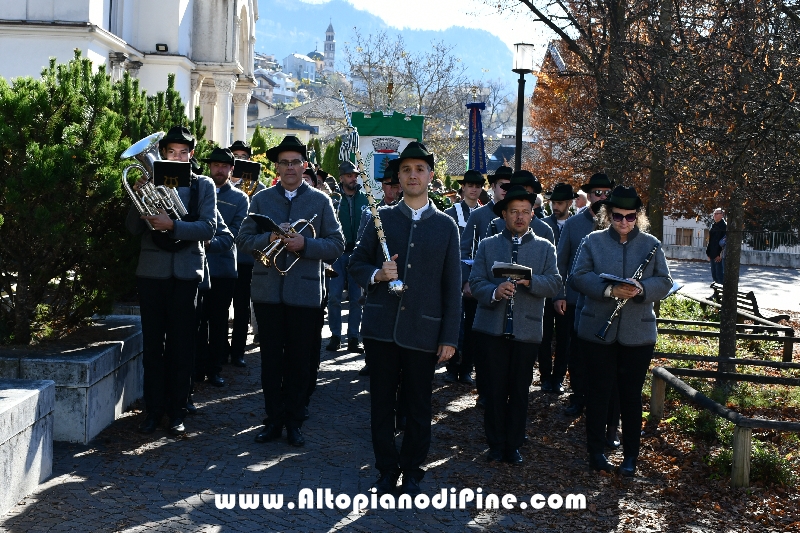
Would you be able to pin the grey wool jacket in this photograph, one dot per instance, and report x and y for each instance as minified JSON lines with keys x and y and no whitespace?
{"x":602,"y":252}
{"x":232,"y":204}
{"x":477,"y":227}
{"x":429,"y":312}
{"x":303,"y":285}
{"x":189,"y":262}
{"x":222,"y":242}
{"x":575,"y":229}
{"x":534,"y":252}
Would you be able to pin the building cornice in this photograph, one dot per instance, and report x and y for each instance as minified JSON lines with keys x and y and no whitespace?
{"x":169,"y":59}
{"x":28,"y":28}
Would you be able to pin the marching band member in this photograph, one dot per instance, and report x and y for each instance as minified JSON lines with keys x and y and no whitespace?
{"x":287,"y":305}
{"x":244,"y":266}
{"x":405,"y":334}
{"x":620,"y":360}
{"x":511,"y":349}
{"x":167,"y":284}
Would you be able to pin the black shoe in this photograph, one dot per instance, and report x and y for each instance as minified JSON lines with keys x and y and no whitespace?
{"x":176,"y":427}
{"x":191,"y":408}
{"x":574,"y":409}
{"x":400,"y":423}
{"x":238,"y":361}
{"x":354,"y":345}
{"x":334,"y":343}
{"x":295,"y":436}
{"x":387,"y":483}
{"x":547,"y":386}
{"x":410,"y":486}
{"x":150,"y":424}
{"x":494,"y":455}
{"x":216,"y":380}
{"x":599,"y":462}
{"x":256,"y":340}
{"x":557,"y":387}
{"x":467,"y":380}
{"x":450,"y":377}
{"x":612,"y":440}
{"x":306,"y":414}
{"x":513,"y":457}
{"x":364,"y":371}
{"x":270,"y":432}
{"x":628,"y":467}
{"x":481,"y":402}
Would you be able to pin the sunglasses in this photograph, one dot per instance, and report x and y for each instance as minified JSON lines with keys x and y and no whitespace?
{"x":601,"y":193}
{"x":630,"y":217}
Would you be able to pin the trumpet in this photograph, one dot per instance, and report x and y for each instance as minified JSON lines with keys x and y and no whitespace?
{"x":149,"y":199}
{"x":269,"y":255}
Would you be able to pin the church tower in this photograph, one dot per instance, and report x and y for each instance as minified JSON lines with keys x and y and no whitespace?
{"x":330,"y":50}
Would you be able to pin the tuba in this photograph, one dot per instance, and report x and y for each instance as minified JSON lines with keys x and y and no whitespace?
{"x":149,"y":199}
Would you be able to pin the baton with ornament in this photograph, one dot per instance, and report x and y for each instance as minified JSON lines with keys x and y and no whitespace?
{"x":350,"y":144}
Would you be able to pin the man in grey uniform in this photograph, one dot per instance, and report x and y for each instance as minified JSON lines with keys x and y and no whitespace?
{"x":406,"y":334}
{"x":287,"y":305}
{"x":532,"y":185}
{"x":167,"y":280}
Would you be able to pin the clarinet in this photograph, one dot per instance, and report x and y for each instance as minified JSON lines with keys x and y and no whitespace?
{"x":396,"y":287}
{"x":622,"y":301}
{"x":509,"y":331}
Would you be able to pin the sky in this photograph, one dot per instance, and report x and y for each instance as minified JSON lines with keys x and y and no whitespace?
{"x":483,"y":38}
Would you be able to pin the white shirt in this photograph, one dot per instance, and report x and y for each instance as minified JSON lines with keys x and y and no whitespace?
{"x":416,"y":214}
{"x":290,"y":194}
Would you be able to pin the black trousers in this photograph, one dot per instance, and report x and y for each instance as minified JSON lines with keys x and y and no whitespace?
{"x":480,"y":340}
{"x":241,"y":310}
{"x":549,"y":370}
{"x":508,"y":374}
{"x":622,"y":369}
{"x":390,"y":366}
{"x":469,"y":306}
{"x":212,"y":332}
{"x":169,"y":324}
{"x":314,"y":358}
{"x":287,"y":335}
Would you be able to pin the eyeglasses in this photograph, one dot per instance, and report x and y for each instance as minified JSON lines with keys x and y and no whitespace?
{"x":601,"y":193}
{"x":630,"y":217}
{"x":292,"y":163}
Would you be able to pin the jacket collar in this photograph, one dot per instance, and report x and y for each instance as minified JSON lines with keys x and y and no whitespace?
{"x":225,"y":188}
{"x":403,"y":207}
{"x":527,"y":237}
{"x":614,"y":235}
{"x":300,"y":190}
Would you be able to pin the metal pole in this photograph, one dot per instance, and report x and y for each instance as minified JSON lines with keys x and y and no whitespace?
{"x":520,"y":113}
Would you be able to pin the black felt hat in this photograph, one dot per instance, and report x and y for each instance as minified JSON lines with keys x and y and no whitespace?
{"x":178,"y":135}
{"x":390,"y":176}
{"x":515,"y":192}
{"x":597,"y":181}
{"x":241,"y":146}
{"x":310,"y":173}
{"x":561,"y":192}
{"x":472,"y":176}
{"x":220,"y":155}
{"x":624,"y":198}
{"x":321,"y":173}
{"x":524,"y":178}
{"x":347,"y":167}
{"x":416,"y":150}
{"x":290,"y":143}
{"x":503,"y":172}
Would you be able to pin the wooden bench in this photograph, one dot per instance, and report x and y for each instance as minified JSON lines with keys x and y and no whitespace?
{"x":745,"y":301}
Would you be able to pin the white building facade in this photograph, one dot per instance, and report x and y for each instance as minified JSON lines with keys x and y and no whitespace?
{"x":300,"y":66}
{"x":209,"y":46}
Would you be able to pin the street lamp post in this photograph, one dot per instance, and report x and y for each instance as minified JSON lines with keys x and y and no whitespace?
{"x":523,"y":64}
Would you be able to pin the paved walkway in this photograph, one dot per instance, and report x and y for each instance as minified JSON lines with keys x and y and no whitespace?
{"x":775,"y":288}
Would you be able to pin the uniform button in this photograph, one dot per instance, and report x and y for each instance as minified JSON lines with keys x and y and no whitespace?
{"x":409,"y":265}
{"x":402,"y":308}
{"x":415,"y":225}
{"x":412,"y":244}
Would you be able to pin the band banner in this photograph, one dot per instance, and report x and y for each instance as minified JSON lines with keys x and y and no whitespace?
{"x":477,"y":151}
